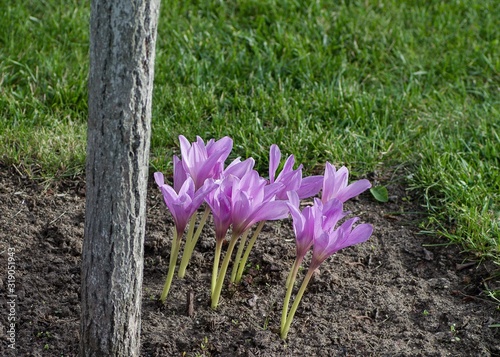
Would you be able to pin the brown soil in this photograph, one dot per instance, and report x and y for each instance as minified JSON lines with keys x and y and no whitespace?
{"x":388,"y":297}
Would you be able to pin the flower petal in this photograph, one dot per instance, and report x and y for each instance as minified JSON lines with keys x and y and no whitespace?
{"x":220,"y":205}
{"x":159,"y":179}
{"x":310,"y":186}
{"x":274,"y":161}
{"x":200,"y":194}
{"x":288,"y":164}
{"x":328,"y":182}
{"x":180,"y":174}
{"x":332,"y":212}
{"x":298,"y":219}
{"x":177,"y":207}
{"x":354,"y":189}
{"x":359,"y":234}
{"x":320,"y":248}
{"x":293,"y":198}
{"x":291,"y":181}
{"x":240,"y":210}
{"x":239,"y":168}
{"x":187,"y":188}
{"x":185,"y":146}
{"x":224,"y":144}
{"x":268,"y":211}
{"x":341,"y":178}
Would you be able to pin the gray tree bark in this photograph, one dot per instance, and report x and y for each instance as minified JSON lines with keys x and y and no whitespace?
{"x":122,"y":53}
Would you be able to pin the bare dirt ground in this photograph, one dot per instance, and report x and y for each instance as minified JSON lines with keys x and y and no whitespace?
{"x":396,"y":295}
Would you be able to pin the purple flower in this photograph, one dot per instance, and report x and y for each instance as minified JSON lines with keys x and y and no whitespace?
{"x":202,"y":161}
{"x":238,"y":168}
{"x":219,"y":201}
{"x":310,"y":186}
{"x":317,"y":224}
{"x":291,"y":179}
{"x":330,"y":212}
{"x":274,"y":161}
{"x":335,"y":184}
{"x":180,"y":174}
{"x":183,"y":204}
{"x":304,"y":225}
{"x":330,"y":242}
{"x":253,"y":201}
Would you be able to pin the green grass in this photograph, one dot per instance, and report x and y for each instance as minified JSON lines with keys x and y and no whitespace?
{"x":43,"y":96}
{"x":371,"y":84}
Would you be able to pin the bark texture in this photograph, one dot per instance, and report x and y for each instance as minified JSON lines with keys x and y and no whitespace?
{"x":122,"y":53}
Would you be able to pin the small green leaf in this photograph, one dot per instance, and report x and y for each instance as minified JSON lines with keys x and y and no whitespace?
{"x":380,"y":193}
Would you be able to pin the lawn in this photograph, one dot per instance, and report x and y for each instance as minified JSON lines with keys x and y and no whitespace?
{"x":398,"y":90}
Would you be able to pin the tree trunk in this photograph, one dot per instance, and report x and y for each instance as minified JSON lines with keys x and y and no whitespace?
{"x":122,"y":53}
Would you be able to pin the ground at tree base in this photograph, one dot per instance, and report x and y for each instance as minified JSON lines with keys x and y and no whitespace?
{"x":390,"y":296}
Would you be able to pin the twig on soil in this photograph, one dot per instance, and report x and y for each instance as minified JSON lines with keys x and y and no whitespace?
{"x":470,"y":297}
{"x":465,"y":265}
{"x":190,"y":303}
{"x":359,"y":317}
{"x":356,"y":263}
{"x":54,"y":220}
{"x":19,"y":172}
{"x":18,"y":212}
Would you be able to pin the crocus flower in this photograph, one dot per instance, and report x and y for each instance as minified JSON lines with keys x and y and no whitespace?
{"x":291,"y":179}
{"x":335,"y":184}
{"x":202,"y":161}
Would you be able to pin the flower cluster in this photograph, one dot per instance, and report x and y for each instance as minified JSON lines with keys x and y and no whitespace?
{"x":238,"y":197}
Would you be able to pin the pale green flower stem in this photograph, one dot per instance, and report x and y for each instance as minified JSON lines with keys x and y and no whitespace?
{"x":215,"y":268}
{"x":191,"y":241}
{"x":222,"y":272}
{"x":290,"y":281}
{"x":174,"y":252}
{"x":293,"y":272}
{"x":237,"y":259}
{"x":243,"y":261}
{"x":291,"y":314}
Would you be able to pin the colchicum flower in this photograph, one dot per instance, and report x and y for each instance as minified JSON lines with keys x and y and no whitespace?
{"x":335,"y":185}
{"x":288,"y":180}
{"x":252,"y":201}
{"x":304,"y":226}
{"x":219,"y":202}
{"x":202,"y":162}
{"x":291,"y":179}
{"x":182,"y":205}
{"x":316,"y":225}
{"x":239,"y":197}
{"x":324,"y":245}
